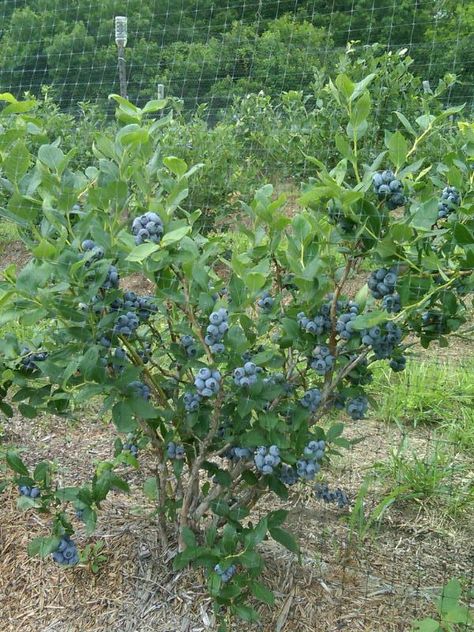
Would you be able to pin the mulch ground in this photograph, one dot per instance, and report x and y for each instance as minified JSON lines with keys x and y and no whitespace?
{"x":379,"y":584}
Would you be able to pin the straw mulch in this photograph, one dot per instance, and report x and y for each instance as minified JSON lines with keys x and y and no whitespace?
{"x":379,"y":585}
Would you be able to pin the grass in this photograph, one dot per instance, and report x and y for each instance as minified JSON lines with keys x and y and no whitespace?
{"x":438,"y":394}
{"x":8,"y":233}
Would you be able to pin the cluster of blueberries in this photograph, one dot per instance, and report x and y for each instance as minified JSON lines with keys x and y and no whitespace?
{"x":389,"y":188}
{"x":191,"y":402}
{"x":382,"y":282}
{"x":382,"y":342}
{"x":398,"y":364}
{"x":30,"y":492}
{"x":132,"y":448}
{"x":288,"y":475}
{"x":97,"y":252}
{"x":175,"y":451}
{"x":246,"y":375}
{"x":392,"y":303}
{"x":227,"y":574}
{"x":140,"y":389}
{"x":147,"y":227}
{"x":216,"y":329}
{"x":117,"y":361}
{"x":266,"y":302}
{"x":112,"y":279}
{"x":323,"y":360}
{"x":189,"y":345}
{"x":344,"y":324}
{"x":66,"y":553}
{"x":311,"y":399}
{"x":317,"y":325}
{"x":126,"y":324}
{"x":29,"y":359}
{"x":267,"y":458}
{"x":143,"y":306}
{"x":236,"y":453}
{"x":337,"y":496}
{"x":357,"y":407}
{"x":207,"y":382}
{"x":308,"y":467}
{"x":450,"y":199}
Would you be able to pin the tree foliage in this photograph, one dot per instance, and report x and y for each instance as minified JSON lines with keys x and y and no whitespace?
{"x":201,"y":51}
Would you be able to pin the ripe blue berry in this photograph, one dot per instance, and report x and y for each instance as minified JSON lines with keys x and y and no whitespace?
{"x":191,"y":402}
{"x":66,"y":554}
{"x":389,"y":188}
{"x":337,"y":496}
{"x":147,"y":227}
{"x":246,"y":375}
{"x":227,"y":574}
{"x":139,"y":389}
{"x":323,"y":360}
{"x":450,"y":199}
{"x":311,"y":399}
{"x":265,"y":302}
{"x":266,"y":459}
{"x":216,"y":330}
{"x":175,"y":451}
{"x":207,"y":382}
{"x":30,"y":492}
{"x":357,"y":407}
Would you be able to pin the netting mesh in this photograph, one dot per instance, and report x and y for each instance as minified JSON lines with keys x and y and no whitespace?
{"x":207,"y":52}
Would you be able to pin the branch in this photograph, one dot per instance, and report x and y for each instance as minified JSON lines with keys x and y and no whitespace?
{"x":194,"y":474}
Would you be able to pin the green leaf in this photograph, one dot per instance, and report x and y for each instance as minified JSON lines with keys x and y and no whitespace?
{"x":16,"y":162}
{"x":334,"y":431}
{"x":426,"y":215}
{"x":427,"y":625}
{"x":457,"y":614}
{"x":175,"y":165}
{"x":406,"y":123}
{"x":188,"y":537}
{"x":462,"y":234}
{"x":255,"y":281}
{"x":285,"y":538}
{"x":142,"y":252}
{"x":262,"y":593}
{"x":123,"y":418}
{"x":397,"y":149}
{"x":150,"y":488}
{"x":16,"y":464}
{"x":41,"y":472}
{"x":154,"y":105}
{"x":345,"y":85}
{"x":51,"y":156}
{"x":277,"y":518}
{"x":43,"y":546}
{"x":360,"y":110}
{"x":361,"y":86}
{"x":175,"y":235}
{"x":366,"y":321}
{"x":245,"y":612}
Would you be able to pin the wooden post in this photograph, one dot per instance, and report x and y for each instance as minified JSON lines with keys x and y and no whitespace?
{"x":121,"y":41}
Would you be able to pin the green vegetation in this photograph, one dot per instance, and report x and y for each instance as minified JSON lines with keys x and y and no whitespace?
{"x":430,"y":392}
{"x":204,"y":52}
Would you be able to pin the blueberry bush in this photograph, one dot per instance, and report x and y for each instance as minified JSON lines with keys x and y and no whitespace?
{"x":233,"y":373}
